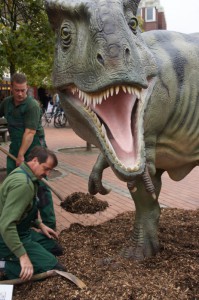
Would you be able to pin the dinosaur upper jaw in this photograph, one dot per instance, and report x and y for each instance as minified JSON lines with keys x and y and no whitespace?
{"x":113,"y":121}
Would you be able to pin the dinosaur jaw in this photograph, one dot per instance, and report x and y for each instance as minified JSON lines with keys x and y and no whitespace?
{"x":116,"y":119}
{"x":115,"y":122}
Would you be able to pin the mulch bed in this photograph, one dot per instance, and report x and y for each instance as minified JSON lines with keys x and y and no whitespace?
{"x":81,"y":203}
{"x":93,"y":254}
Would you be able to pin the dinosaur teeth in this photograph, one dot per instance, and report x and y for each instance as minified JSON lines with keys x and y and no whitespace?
{"x":117,"y":89}
{"x":89,"y":99}
{"x":101,"y":128}
{"x":124,"y":89}
{"x":129,"y":89}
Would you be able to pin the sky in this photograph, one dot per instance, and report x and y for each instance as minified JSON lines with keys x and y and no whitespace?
{"x":181,"y":15}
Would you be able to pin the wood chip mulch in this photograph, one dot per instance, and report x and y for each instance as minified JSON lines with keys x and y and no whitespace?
{"x":81,"y":203}
{"x":93,"y":254}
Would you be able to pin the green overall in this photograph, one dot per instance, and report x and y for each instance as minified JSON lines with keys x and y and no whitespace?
{"x":36,"y":245}
{"x":15,"y":116}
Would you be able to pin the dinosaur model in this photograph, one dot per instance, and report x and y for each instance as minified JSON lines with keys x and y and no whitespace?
{"x":133,"y":95}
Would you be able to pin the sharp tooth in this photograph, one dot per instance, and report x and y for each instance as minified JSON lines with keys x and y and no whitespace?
{"x":117,"y":89}
{"x":137,"y":93}
{"x":79,"y":94}
{"x":100,"y":99}
{"x":83,"y":95}
{"x":124,"y":88}
{"x":102,"y":133}
{"x":136,"y":168}
{"x":88,"y":100}
{"x":105,"y":96}
{"x":95,"y":119}
{"x":107,"y":93}
{"x":94,"y":102}
{"x":129,"y":169}
{"x":85,"y":101}
{"x":112,"y":91}
{"x":123,"y":167}
{"x":116,"y":160}
{"x":129,"y":89}
{"x":98,"y":122}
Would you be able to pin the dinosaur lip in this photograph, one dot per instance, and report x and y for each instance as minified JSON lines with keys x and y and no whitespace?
{"x":117,"y":116}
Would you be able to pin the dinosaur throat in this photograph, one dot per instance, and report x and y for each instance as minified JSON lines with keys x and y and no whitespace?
{"x":117,"y":114}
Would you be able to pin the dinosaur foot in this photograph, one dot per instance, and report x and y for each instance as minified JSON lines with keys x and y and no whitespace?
{"x":138,"y":253}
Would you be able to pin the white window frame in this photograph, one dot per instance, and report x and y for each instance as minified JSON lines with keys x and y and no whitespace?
{"x":153,"y":14}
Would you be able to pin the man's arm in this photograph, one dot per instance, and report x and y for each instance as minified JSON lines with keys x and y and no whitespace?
{"x":17,"y":195}
{"x":31,"y":120}
{"x":27,"y":140}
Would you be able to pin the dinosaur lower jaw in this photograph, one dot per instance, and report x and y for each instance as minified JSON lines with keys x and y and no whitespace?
{"x":116,"y":116}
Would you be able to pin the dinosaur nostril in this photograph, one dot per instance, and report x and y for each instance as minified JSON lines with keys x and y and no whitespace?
{"x":100,"y":59}
{"x":127,"y":52}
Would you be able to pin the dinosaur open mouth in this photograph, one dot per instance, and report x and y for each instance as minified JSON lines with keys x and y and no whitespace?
{"x":117,"y":116}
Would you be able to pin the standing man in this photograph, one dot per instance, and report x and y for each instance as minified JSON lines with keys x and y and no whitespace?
{"x":23,"y":115}
{"x":23,"y":250}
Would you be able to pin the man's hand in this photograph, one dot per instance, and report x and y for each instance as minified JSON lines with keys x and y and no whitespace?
{"x":49,"y":232}
{"x":19,"y":160}
{"x":26,"y":267}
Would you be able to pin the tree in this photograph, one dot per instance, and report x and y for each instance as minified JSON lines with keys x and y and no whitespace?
{"x":26,"y":40}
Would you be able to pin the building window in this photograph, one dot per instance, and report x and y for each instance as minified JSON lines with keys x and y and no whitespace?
{"x":150,"y":14}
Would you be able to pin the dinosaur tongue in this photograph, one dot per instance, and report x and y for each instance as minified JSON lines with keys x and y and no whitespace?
{"x":116,"y":113}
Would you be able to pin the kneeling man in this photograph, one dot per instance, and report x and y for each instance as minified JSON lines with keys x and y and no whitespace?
{"x":24,"y":250}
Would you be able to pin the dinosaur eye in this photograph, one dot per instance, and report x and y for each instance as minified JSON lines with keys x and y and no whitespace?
{"x":133,"y":24}
{"x":66,"y":36}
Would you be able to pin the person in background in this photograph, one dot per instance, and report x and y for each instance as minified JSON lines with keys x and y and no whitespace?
{"x":23,"y":250}
{"x":56,"y":102}
{"x":23,"y":115}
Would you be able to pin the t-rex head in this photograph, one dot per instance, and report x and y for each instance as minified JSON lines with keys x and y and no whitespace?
{"x":104,"y":73}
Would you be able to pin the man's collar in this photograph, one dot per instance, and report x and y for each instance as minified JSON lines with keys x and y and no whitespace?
{"x":24,"y":166}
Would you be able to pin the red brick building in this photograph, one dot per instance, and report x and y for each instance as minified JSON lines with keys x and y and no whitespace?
{"x":152,"y":14}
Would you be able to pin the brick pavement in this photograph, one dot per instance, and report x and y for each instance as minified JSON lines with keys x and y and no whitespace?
{"x":75,"y":166}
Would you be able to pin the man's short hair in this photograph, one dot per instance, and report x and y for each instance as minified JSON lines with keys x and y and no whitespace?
{"x":18,"y":78}
{"x":42,"y":155}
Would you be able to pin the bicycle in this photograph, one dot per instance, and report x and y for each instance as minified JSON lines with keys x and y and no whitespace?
{"x":60,"y":119}
{"x":48,"y":116}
